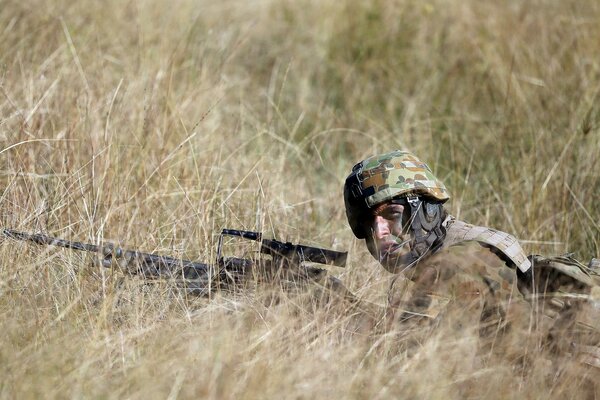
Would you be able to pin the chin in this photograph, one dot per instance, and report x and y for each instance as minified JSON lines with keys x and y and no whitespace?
{"x":392,"y":262}
{"x":393,"y":258}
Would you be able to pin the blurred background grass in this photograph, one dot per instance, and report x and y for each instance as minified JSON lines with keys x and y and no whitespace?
{"x":159,"y":123}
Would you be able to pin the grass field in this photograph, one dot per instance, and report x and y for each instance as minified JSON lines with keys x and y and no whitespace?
{"x":156,"y":124}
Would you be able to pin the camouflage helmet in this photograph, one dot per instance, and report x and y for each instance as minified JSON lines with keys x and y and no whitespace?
{"x":386,"y":176}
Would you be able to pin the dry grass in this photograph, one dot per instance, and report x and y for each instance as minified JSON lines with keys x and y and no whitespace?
{"x":159,"y":123}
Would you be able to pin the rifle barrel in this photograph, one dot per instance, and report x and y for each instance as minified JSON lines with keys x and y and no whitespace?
{"x":49,"y":240}
{"x":149,"y":264}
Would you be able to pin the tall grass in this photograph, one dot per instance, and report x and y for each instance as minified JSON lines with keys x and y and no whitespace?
{"x":158,"y":123}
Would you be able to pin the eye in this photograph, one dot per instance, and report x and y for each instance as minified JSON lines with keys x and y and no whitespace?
{"x":392,"y":214}
{"x":395,"y":210}
{"x":389,"y":211}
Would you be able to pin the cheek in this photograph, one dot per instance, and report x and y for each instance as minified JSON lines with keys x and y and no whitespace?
{"x":379,"y":224}
{"x":382,"y":226}
{"x":397,"y":227}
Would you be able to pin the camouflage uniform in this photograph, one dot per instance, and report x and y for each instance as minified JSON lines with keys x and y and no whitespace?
{"x":466,"y":288}
{"x":476,"y":278}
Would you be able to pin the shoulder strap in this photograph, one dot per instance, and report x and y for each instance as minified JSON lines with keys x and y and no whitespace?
{"x":459,"y":231}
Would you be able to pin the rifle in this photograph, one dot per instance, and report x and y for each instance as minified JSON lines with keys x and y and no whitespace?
{"x":288,"y":261}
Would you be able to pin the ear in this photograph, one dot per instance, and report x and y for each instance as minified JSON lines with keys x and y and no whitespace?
{"x":430,"y":214}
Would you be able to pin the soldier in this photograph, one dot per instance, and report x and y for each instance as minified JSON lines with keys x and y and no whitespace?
{"x":470,"y":277}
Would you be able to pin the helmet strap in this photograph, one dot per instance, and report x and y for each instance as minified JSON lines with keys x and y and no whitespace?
{"x":426,"y":228}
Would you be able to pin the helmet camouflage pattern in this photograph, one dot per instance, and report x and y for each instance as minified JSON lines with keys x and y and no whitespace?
{"x":386,"y":176}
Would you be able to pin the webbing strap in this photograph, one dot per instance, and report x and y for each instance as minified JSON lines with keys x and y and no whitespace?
{"x":459,"y":231}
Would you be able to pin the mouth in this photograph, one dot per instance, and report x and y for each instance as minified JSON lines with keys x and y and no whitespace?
{"x":388,"y":251}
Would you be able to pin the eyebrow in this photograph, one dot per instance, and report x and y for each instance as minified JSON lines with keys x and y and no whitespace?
{"x":384,"y":207}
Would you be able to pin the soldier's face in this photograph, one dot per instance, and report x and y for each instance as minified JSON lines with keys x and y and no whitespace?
{"x":389,"y":239}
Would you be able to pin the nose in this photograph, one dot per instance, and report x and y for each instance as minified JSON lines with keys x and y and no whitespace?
{"x":381,"y":228}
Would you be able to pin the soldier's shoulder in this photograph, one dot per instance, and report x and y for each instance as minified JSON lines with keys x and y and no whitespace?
{"x":470,"y":255}
{"x":467,"y":262}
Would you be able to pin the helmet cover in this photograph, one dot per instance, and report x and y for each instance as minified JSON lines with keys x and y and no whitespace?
{"x":386,"y":176}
